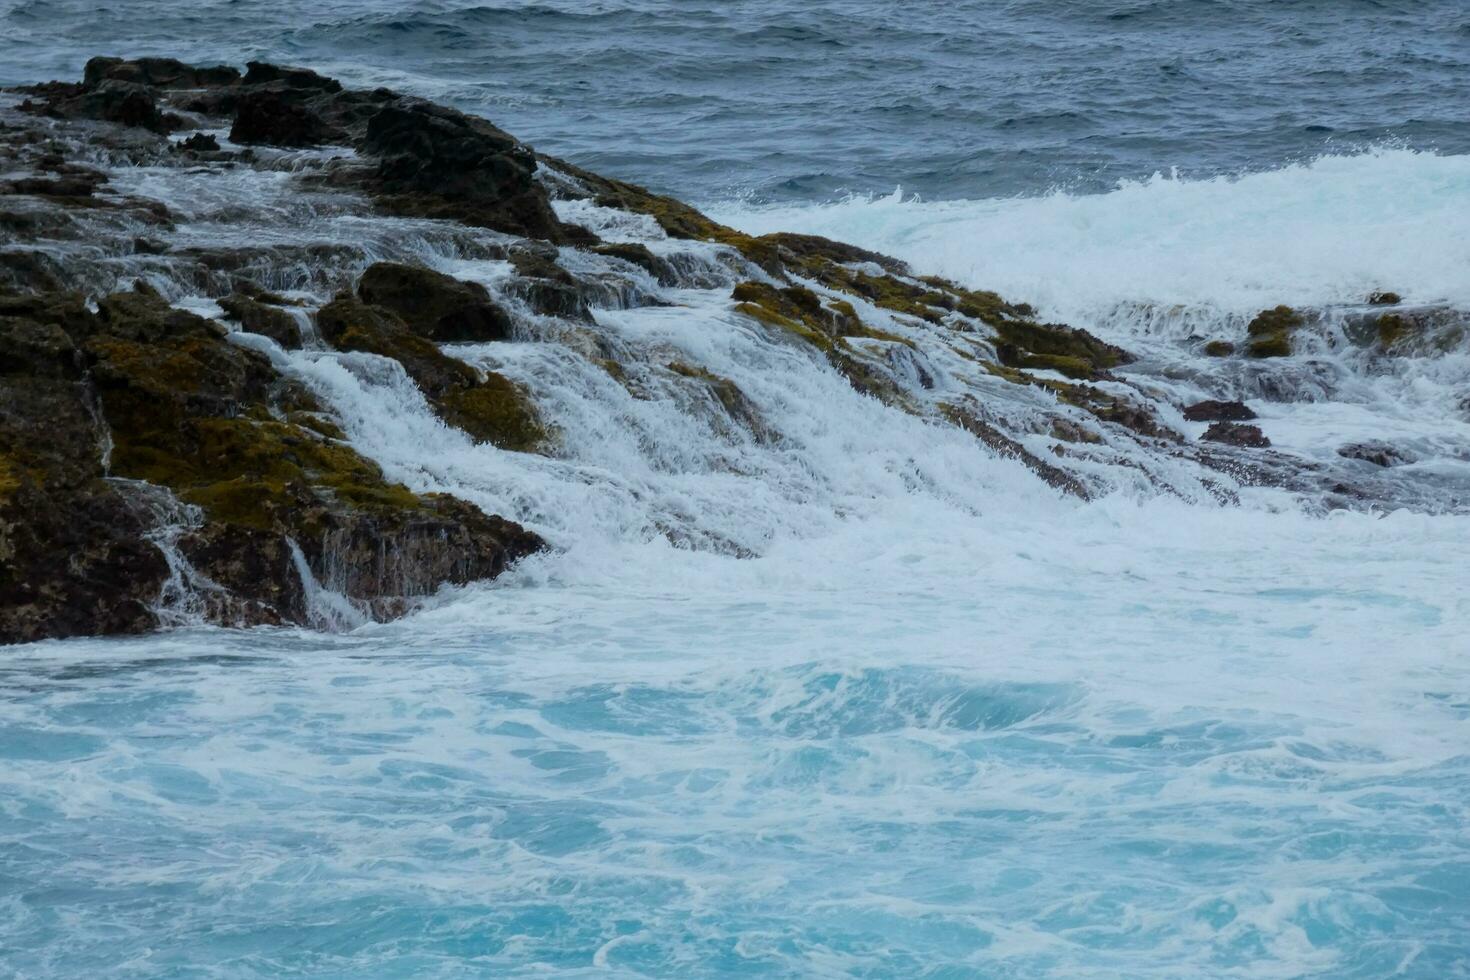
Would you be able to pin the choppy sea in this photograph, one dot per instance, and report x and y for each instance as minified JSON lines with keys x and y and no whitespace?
{"x":945,"y":724}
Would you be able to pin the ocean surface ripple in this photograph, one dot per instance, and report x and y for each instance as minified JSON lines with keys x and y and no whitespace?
{"x":791,"y":101}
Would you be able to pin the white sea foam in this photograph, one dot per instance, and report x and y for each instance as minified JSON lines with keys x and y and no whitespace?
{"x":1318,"y":233}
{"x":1162,"y":265}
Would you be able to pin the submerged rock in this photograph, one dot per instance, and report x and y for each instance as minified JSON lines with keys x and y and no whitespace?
{"x":1376,"y":452}
{"x":1246,"y":436}
{"x":1003,"y":445}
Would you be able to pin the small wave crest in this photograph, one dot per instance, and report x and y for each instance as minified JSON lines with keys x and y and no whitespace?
{"x":1323,"y":232}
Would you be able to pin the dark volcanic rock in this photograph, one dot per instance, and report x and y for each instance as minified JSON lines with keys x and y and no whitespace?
{"x":158,"y":73}
{"x":640,"y":255}
{"x":545,"y":286}
{"x":492,"y":408}
{"x":264,"y":73}
{"x":28,"y":270}
{"x":434,"y":305}
{"x":73,"y":559}
{"x":72,"y":185}
{"x":1215,"y":411}
{"x":275,"y":118}
{"x":125,"y":103}
{"x":263,"y":318}
{"x":439,"y":163}
{"x":1247,"y":436}
{"x":208,"y":424}
{"x":200,"y":143}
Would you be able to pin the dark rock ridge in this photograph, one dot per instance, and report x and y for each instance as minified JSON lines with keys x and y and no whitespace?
{"x":431,"y":161}
{"x":257,"y":313}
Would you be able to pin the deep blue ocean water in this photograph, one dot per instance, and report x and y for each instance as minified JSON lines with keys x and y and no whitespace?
{"x":947,"y":725}
{"x":789,"y":100}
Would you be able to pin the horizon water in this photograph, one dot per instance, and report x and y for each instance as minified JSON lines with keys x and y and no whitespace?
{"x":945,"y":723}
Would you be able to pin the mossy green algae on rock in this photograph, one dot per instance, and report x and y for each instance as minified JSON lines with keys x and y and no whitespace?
{"x":166,"y":399}
{"x":1271,"y":330}
{"x":490,"y":407}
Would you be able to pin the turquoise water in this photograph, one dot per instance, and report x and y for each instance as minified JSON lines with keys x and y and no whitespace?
{"x":1117,"y":764}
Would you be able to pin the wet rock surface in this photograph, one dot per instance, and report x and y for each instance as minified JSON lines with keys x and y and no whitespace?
{"x":1271,"y":331}
{"x":268,"y":320}
{"x":440,"y":163}
{"x":438,"y":307}
{"x":1231,"y":434}
{"x":488,"y":406}
{"x":139,"y":417}
{"x":74,"y":559}
{"x":1218,"y":411}
{"x":275,"y":118}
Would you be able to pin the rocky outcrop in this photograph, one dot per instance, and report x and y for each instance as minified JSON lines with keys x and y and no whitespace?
{"x":546,"y":287}
{"x":277,"y":118}
{"x":1232,"y":434}
{"x":108,"y":100}
{"x":164,"y":73}
{"x":438,"y":163}
{"x":257,"y":314}
{"x":641,"y":256}
{"x":74,"y":557}
{"x":427,"y":160}
{"x":141,"y":423}
{"x":435,"y":306}
{"x":1270,"y":332}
